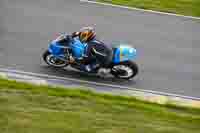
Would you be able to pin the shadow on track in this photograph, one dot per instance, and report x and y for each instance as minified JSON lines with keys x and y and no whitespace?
{"x":75,"y":74}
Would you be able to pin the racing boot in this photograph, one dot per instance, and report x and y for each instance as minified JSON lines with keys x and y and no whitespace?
{"x":90,"y":68}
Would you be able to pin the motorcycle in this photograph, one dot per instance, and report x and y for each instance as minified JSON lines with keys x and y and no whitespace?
{"x":122,"y":65}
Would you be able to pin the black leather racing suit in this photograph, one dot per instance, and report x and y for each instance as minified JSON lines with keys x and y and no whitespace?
{"x":98,"y":53}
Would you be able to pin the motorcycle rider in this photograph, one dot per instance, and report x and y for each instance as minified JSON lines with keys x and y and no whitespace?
{"x":97,"y":53}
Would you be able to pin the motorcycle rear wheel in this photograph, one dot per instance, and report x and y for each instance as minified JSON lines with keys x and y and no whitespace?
{"x":125,"y":70}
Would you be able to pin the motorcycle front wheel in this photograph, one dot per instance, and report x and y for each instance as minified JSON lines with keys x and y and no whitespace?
{"x":125,"y":70}
{"x":51,"y":60}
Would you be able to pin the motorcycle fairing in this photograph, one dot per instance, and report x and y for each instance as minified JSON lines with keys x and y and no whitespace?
{"x":56,"y":49}
{"x":78,"y":48}
{"x":123,"y":53}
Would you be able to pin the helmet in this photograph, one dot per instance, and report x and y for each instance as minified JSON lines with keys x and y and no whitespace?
{"x":87,"y":34}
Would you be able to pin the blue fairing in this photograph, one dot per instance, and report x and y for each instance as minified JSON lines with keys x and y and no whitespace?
{"x":56,"y":49}
{"x":124,"y":53}
{"x":78,"y":49}
{"x":121,"y":53}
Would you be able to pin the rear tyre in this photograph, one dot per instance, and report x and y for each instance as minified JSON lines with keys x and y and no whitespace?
{"x":125,"y":70}
{"x":51,"y":60}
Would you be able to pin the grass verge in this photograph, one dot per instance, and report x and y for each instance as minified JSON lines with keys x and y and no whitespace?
{"x":184,"y":7}
{"x":42,"y":109}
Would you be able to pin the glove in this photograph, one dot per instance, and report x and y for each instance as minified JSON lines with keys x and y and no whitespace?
{"x":71,"y":59}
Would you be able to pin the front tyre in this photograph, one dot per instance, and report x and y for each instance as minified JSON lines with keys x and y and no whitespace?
{"x":125,"y":70}
{"x":53,"y":61}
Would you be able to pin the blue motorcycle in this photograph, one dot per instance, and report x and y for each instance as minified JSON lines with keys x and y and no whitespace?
{"x":122,"y":65}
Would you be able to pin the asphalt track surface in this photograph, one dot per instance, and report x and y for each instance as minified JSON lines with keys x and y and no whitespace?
{"x":168,"y":46}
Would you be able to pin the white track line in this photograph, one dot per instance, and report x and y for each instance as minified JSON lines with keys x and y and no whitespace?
{"x":139,"y":9}
{"x":95,"y":83}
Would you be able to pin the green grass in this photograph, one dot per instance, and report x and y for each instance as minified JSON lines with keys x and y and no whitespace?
{"x":185,"y":7}
{"x":25,"y":108}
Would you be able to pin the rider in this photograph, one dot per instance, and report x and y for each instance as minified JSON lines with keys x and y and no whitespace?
{"x":97,"y":53}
